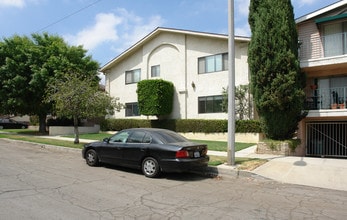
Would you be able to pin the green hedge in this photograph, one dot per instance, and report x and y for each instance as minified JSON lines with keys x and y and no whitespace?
{"x":183,"y":125}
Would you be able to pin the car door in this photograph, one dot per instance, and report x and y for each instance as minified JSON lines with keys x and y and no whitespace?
{"x":111,"y":149}
{"x":136,"y":147}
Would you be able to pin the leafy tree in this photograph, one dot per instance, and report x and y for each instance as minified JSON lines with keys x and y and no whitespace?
{"x":276,"y":81}
{"x":243,"y":108}
{"x":29,"y":65}
{"x":77,"y":97}
{"x":155,"y":97}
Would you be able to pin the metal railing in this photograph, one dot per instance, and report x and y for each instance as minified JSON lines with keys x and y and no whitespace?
{"x":325,"y":46}
{"x":326,"y":139}
{"x":329,"y":98}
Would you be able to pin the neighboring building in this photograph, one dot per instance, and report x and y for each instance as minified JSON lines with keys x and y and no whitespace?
{"x":195,"y":62}
{"x":323,"y":57}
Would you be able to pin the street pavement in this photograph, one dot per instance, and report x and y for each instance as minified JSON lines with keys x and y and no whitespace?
{"x":317,"y":172}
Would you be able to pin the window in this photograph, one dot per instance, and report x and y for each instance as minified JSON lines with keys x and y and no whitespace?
{"x":132,"y":76}
{"x":334,"y":39}
{"x":155,"y":71}
{"x":131,"y":109}
{"x":210,"y":104}
{"x":119,"y":137}
{"x":213,"y":63}
{"x":139,"y":137}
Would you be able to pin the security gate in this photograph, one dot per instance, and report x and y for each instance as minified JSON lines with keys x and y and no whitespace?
{"x":326,"y":139}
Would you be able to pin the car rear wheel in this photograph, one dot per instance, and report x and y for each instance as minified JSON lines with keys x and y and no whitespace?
{"x":92,"y":158}
{"x":150,"y":167}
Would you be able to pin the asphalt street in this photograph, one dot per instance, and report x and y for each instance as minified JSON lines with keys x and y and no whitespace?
{"x":44,"y":182}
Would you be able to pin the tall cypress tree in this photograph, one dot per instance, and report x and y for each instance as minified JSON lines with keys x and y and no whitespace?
{"x":276,"y":80}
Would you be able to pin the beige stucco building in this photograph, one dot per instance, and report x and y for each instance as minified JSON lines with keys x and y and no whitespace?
{"x":195,"y":62}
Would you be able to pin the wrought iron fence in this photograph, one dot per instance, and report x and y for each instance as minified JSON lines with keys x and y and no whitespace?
{"x":327,"y":98}
{"x":326,"y":139}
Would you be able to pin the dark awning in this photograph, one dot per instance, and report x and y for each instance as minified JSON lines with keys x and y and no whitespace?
{"x":332,"y":18}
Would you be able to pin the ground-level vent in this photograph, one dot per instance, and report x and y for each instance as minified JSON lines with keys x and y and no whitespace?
{"x":326,"y":139}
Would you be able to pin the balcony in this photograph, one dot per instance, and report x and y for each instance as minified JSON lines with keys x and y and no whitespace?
{"x":323,"y":47}
{"x":326,"y":98}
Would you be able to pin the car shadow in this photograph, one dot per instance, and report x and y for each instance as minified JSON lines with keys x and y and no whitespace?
{"x":186,"y":176}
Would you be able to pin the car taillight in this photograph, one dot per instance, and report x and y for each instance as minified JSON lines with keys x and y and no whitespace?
{"x":182,"y":154}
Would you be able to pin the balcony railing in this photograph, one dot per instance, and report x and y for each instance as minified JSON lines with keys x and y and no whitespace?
{"x":329,"y":98}
{"x":325,"y":46}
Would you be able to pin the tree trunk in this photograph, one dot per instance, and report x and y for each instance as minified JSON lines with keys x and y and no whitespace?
{"x":75,"y":124}
{"x":42,"y":123}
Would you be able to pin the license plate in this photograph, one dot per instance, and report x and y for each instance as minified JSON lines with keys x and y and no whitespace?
{"x":196,"y":154}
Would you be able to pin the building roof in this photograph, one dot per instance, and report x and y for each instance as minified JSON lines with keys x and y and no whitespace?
{"x":159,"y":30}
{"x":321,"y":11}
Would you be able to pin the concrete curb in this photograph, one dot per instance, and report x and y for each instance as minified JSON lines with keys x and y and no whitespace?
{"x":222,"y":170}
{"x":47,"y":146}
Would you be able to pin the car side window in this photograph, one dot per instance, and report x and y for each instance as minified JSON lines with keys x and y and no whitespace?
{"x":136,"y":137}
{"x":147,"y":139}
{"x":119,"y":137}
{"x":139,"y":137}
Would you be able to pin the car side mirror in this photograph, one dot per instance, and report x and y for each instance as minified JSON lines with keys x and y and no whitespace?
{"x":106,"y":140}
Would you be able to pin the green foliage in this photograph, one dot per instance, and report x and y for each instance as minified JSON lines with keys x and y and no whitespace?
{"x":29,"y":65}
{"x":78,"y":97}
{"x":243,"y":104}
{"x":276,"y":80}
{"x":120,"y":124}
{"x":183,"y":125}
{"x":155,"y":97}
{"x":248,"y":126}
{"x":275,"y":144}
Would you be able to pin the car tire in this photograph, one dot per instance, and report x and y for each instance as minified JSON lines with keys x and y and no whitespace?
{"x":150,"y":167}
{"x":92,"y":158}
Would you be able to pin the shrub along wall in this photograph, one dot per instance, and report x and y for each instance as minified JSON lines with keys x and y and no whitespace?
{"x":183,"y":125}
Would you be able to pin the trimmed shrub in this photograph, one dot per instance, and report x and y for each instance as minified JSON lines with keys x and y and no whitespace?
{"x":155,"y":97}
{"x":183,"y":125}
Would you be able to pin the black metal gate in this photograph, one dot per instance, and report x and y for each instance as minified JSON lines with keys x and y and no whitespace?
{"x":326,"y":139}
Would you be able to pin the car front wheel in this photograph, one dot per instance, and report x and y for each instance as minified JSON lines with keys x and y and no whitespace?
{"x":92,"y":158}
{"x":150,"y":167}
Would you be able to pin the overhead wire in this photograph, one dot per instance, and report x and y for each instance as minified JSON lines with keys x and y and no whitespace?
{"x":68,"y":16}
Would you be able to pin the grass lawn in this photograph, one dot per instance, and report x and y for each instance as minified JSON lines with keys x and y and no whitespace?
{"x":32,"y":136}
{"x":212,"y":145}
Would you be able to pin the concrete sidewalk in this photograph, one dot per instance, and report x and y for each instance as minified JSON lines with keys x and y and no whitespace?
{"x":316,"y":172}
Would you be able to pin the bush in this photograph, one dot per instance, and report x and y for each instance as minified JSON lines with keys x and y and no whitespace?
{"x":61,"y":122}
{"x":182,"y":125}
{"x":248,"y":126}
{"x":120,"y":124}
{"x":155,"y":97}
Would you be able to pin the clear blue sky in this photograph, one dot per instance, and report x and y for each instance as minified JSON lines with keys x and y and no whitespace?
{"x":107,"y":27}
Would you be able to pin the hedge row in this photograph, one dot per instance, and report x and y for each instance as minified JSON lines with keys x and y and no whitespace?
{"x":182,"y":125}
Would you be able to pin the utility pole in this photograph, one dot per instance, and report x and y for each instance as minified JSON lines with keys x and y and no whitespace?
{"x":231,"y":86}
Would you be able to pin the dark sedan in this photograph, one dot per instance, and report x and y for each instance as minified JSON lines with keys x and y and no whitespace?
{"x":149,"y":149}
{"x":6,"y":123}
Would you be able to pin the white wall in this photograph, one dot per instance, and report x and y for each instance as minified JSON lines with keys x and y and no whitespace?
{"x":177,"y":54}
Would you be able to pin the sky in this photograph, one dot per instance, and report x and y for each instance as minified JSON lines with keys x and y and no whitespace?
{"x":106,"y":28}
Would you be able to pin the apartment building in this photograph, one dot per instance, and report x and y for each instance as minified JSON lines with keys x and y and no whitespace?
{"x":195,"y":62}
{"x":323,"y":57}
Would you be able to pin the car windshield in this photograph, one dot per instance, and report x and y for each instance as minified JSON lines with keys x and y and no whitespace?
{"x":170,"y":137}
